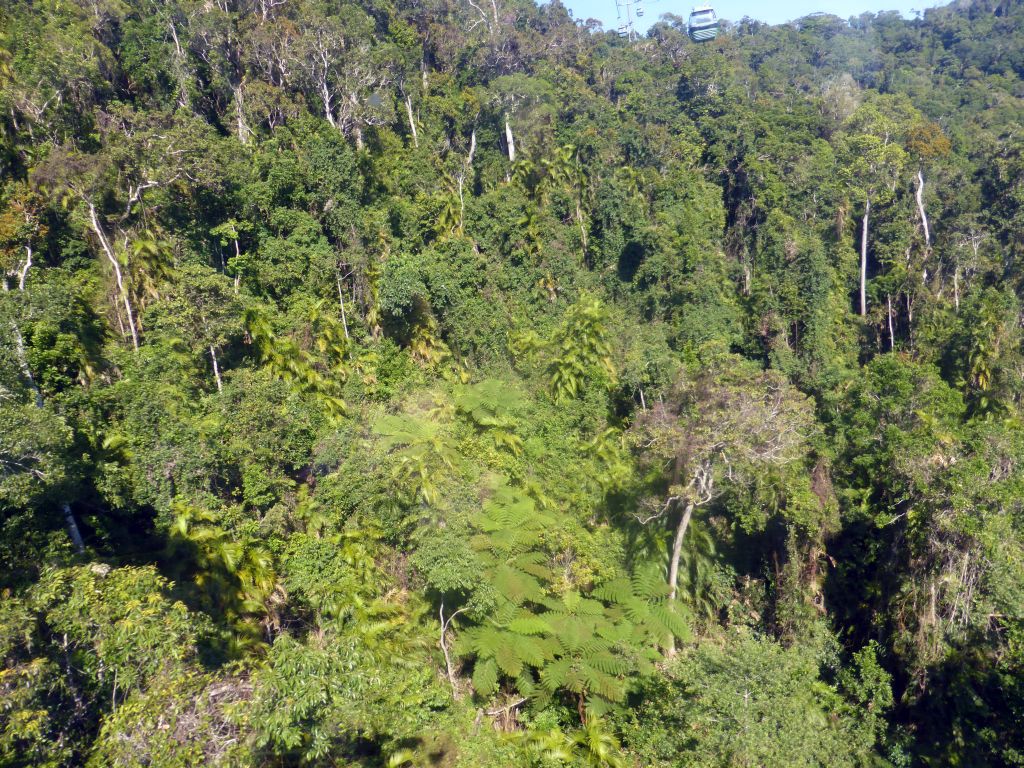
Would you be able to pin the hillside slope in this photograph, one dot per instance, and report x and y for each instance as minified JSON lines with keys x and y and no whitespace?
{"x":450,"y":383}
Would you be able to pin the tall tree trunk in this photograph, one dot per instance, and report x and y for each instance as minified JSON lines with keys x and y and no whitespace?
{"x":240,"y":125}
{"x":892,"y":337}
{"x":673,"y":570}
{"x":24,"y":270}
{"x":112,"y":258}
{"x":181,"y":67}
{"x":919,"y":196}
{"x":73,"y":532}
{"x":583,"y":230}
{"x":510,"y":140}
{"x":238,"y":277}
{"x":19,"y":351}
{"x":341,"y":300}
{"x":462,"y":203}
{"x":216,"y":368}
{"x":864,"y":258}
{"x":412,"y":122}
{"x":956,"y":287}
{"x":328,"y":99}
{"x":472,"y":148}
{"x":449,"y":666}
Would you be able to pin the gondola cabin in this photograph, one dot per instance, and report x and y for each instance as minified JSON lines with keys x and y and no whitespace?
{"x":703,"y":24}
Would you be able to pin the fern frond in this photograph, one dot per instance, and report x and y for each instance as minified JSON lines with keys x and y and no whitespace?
{"x":508,"y":659}
{"x":648,"y":583}
{"x":485,"y":677}
{"x":616,"y":591}
{"x":530,"y":625}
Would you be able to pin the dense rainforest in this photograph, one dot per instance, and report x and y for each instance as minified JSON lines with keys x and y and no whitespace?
{"x":454,"y":383}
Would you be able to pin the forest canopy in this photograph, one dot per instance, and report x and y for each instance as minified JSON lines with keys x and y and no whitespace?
{"x":446,"y":383}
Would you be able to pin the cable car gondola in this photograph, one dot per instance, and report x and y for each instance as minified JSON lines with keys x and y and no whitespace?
{"x":703,"y":24}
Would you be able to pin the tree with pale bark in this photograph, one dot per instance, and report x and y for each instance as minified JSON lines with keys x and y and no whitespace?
{"x":718,"y":427}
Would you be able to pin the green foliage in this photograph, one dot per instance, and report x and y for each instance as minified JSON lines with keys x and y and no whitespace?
{"x":751,"y":701}
{"x":421,"y":453}
{"x":581,"y":351}
{"x":235,"y":576}
{"x":299,"y":368}
{"x":119,"y":625}
{"x":182,"y":719}
{"x":454,"y":360}
{"x":85,"y":633}
{"x":316,"y":701}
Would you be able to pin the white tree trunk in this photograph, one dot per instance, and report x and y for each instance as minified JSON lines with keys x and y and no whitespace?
{"x":510,"y":141}
{"x":240,"y":125}
{"x":956,"y":288}
{"x":472,"y":148}
{"x":583,"y":229}
{"x":673,"y":570}
{"x":216,"y":368}
{"x":462,"y":204}
{"x":341,"y":300}
{"x":19,"y":351}
{"x":449,"y":666}
{"x":182,"y":69}
{"x":864,"y":258}
{"x":112,"y":258}
{"x":328,"y":99}
{"x":26,"y":268}
{"x":412,"y":122}
{"x":919,"y":195}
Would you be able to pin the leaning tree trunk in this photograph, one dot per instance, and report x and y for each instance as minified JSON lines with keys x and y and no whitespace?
{"x":19,"y":351}
{"x":112,"y":258}
{"x":216,"y":368}
{"x":673,"y":569}
{"x":864,"y":258}
{"x":412,"y":122}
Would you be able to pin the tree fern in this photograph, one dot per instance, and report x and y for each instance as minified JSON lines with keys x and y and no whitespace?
{"x":422,"y":454}
{"x":642,"y":600}
{"x":490,"y":403}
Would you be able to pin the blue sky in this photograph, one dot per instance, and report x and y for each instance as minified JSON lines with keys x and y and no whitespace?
{"x":773,"y":13}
